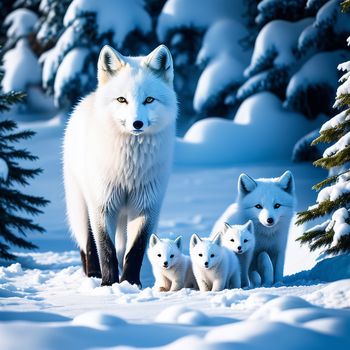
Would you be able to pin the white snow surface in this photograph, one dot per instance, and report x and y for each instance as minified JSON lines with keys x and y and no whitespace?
{"x":20,"y":22}
{"x":262,"y":130}
{"x":279,"y":37}
{"x":119,"y":16}
{"x":21,"y":68}
{"x":4,"y":170}
{"x":199,"y":14}
{"x":46,"y":302}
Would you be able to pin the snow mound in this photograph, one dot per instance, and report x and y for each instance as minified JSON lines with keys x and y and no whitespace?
{"x":260,"y":127}
{"x":98,"y":320}
{"x":183,"y":315}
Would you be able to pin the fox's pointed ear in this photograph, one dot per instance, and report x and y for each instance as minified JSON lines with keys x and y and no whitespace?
{"x":225,"y":226}
{"x":178,"y":242}
{"x":286,"y":181}
{"x":153,"y":240}
{"x":249,"y":226}
{"x":217,"y":239}
{"x":245,"y":184}
{"x":194,"y":240}
{"x":109,"y":62}
{"x":161,"y":63}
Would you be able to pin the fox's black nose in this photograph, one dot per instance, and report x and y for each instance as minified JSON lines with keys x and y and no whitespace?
{"x":138,"y":124}
{"x":165,"y":263}
{"x":206,"y":264}
{"x":239,"y":248}
{"x":270,"y":221}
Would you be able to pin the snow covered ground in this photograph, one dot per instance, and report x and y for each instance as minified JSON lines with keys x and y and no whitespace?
{"x":46,"y":302}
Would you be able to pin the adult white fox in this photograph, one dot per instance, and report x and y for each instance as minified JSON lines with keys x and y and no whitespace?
{"x":117,"y":159}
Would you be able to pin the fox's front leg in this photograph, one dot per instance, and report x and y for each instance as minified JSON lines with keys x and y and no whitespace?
{"x":162,"y":284}
{"x":177,"y":285}
{"x":139,"y":230}
{"x":105,"y":248}
{"x":279,"y":266}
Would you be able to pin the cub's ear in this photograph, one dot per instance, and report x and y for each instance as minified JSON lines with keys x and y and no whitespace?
{"x":249,"y":226}
{"x":161,"y":63}
{"x":194,"y":240}
{"x":286,"y":181}
{"x":217,"y":239}
{"x":109,"y":62}
{"x":178,"y":242}
{"x":245,"y":184}
{"x":153,"y":240}
{"x":225,"y":227}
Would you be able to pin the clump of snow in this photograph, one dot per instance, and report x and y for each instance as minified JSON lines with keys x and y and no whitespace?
{"x":196,"y":13}
{"x":4,"y":170}
{"x":344,"y":87}
{"x":20,"y":22}
{"x":222,"y":72}
{"x":309,"y":73}
{"x":259,"y":129}
{"x":118,"y":16}
{"x":339,"y":119}
{"x":223,"y":36}
{"x":333,"y":192}
{"x":21,"y":68}
{"x":275,"y":45}
{"x":340,"y":224}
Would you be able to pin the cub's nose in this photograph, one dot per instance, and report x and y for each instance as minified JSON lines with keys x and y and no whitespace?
{"x":270,"y":221}
{"x":138,"y":124}
{"x":206,"y":264}
{"x":165,"y":264}
{"x":239,"y":248}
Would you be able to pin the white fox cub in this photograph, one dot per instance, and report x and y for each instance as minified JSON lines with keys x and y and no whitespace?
{"x":270,"y":204}
{"x":214,"y":266}
{"x":241,"y":240}
{"x":172,"y":270}
{"x":117,"y":157}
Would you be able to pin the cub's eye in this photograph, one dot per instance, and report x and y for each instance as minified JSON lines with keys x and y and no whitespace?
{"x":148,"y":99}
{"x":121,"y":99}
{"x":200,"y":254}
{"x":212,"y":255}
{"x":258,"y":206}
{"x":159,"y":255}
{"x":171,"y":256}
{"x":277,"y":205}
{"x":232,"y":240}
{"x":245,"y":241}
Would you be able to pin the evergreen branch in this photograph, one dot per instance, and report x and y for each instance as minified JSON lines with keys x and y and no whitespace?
{"x":10,"y":98}
{"x":339,"y":158}
{"x":329,"y":181}
{"x":323,"y":208}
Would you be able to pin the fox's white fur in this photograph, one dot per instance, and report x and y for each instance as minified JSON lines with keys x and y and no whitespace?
{"x":214,"y":266}
{"x":240,"y":239}
{"x":270,"y":204}
{"x":172,"y":270}
{"x":115,"y":171}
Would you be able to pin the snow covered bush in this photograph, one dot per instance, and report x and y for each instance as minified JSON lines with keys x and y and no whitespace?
{"x":69,"y":68}
{"x":333,"y":199}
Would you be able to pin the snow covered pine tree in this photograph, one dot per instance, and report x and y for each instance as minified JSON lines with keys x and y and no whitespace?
{"x":334,"y":197}
{"x":13,"y":203}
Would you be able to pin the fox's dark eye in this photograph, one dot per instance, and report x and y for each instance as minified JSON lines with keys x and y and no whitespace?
{"x":121,"y":99}
{"x":232,"y":240}
{"x":148,"y":99}
{"x":212,"y":255}
{"x":200,"y":254}
{"x":159,"y":255}
{"x":171,"y":256}
{"x":258,"y":206}
{"x":277,"y":205}
{"x":245,"y":241}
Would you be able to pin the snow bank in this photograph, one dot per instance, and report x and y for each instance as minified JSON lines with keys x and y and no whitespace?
{"x":259,"y":130}
{"x":118,"y":16}
{"x":196,"y":13}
